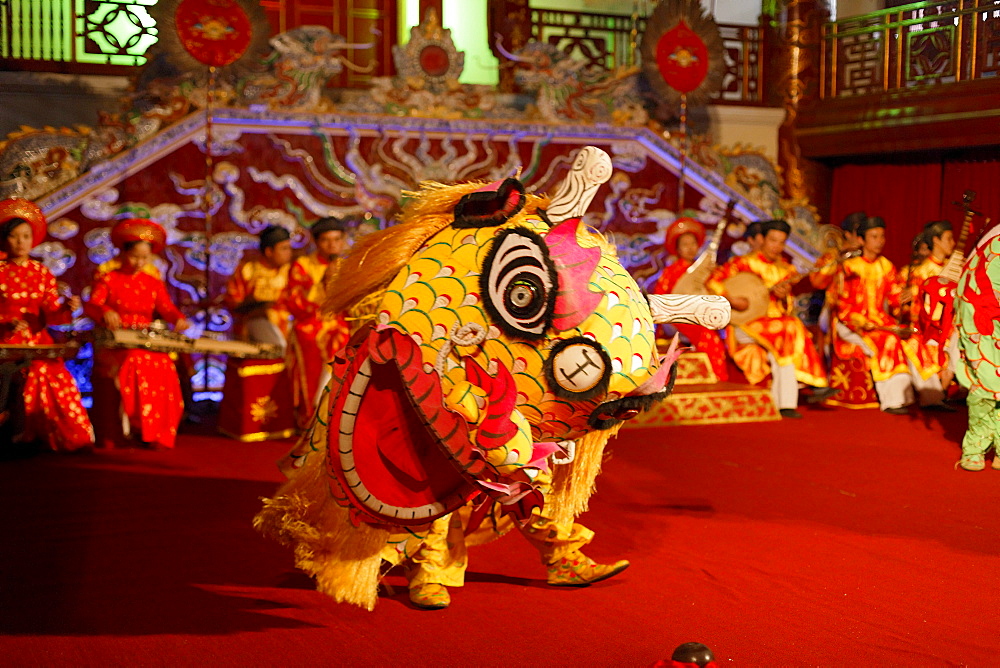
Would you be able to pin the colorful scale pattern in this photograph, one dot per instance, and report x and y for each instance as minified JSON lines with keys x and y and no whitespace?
{"x":980,"y":366}
{"x":439,"y":290}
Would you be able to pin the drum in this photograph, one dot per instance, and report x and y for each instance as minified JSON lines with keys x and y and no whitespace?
{"x":746,"y":284}
{"x":9,"y":351}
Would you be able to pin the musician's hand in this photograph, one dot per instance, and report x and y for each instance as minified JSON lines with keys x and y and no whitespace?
{"x":20,"y":325}
{"x":74,"y":303}
{"x":181,"y":325}
{"x":781,"y":290}
{"x":739,"y":303}
{"x":112,"y":320}
{"x":906,"y":296}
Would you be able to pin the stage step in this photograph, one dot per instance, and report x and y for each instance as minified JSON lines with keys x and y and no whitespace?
{"x":698,"y":398}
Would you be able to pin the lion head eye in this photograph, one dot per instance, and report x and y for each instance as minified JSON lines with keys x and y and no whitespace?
{"x":518,"y":282}
{"x":578,"y":369}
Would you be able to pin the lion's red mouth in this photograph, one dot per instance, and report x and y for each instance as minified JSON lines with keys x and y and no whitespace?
{"x":398,"y":454}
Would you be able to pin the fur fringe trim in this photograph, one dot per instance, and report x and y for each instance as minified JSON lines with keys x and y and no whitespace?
{"x":343,"y":558}
{"x":574,"y":483}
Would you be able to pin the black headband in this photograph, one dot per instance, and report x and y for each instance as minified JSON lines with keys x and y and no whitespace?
{"x":870,"y":223}
{"x":936,"y":228}
{"x":272,"y":236}
{"x":779,"y":225}
{"x":330,"y":224}
{"x":853,"y":221}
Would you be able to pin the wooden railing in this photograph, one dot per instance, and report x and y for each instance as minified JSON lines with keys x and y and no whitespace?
{"x":909,"y":46}
{"x":111,"y":36}
{"x":607,"y":40}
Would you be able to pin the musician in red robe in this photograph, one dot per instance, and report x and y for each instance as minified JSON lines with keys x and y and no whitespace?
{"x":899,"y":360}
{"x":684,"y":238}
{"x":316,"y":337}
{"x":29,"y":303}
{"x":137,"y":392}
{"x":777,"y":344}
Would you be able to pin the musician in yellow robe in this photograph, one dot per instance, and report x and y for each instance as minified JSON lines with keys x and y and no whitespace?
{"x":255,"y":291}
{"x":899,"y":361}
{"x":316,"y":337}
{"x":942,"y":338}
{"x":776,"y":344}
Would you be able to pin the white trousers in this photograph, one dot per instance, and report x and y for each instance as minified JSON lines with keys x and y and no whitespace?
{"x":784,"y":384}
{"x":897,"y":390}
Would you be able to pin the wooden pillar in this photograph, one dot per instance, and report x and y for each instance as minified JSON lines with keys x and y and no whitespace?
{"x":511,"y":19}
{"x":793,"y":42}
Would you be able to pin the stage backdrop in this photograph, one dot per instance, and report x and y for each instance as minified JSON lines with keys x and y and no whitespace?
{"x":290,"y":169}
{"x":907,"y":196}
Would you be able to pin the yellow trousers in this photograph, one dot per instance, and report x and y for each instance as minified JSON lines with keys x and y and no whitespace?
{"x":442,"y":557}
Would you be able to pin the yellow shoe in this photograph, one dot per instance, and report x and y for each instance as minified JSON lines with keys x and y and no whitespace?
{"x":430,"y":597}
{"x":579,"y":570}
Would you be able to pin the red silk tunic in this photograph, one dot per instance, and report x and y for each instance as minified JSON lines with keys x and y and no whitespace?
{"x":317,"y":337}
{"x":52,"y":405}
{"x":866,"y":286}
{"x":703,"y":339}
{"x":147,"y":381}
{"x":778,"y":332}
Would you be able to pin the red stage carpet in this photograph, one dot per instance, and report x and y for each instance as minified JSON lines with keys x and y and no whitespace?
{"x":845,"y":538}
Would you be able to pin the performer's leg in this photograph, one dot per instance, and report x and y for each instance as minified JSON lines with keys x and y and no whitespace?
{"x":895,"y":393}
{"x":984,"y":421}
{"x":559,"y":547}
{"x":784,"y":385}
{"x":951,"y":351}
{"x":929,"y":391}
{"x":439,"y":563}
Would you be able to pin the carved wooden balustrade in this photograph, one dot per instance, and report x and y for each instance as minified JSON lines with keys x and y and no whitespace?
{"x":909,"y":46}
{"x":111,"y":36}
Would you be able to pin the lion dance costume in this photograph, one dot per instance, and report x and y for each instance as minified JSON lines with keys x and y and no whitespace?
{"x":977,"y":320}
{"x":499,"y":334}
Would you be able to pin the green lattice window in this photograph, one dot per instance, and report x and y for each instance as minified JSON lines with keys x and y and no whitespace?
{"x":100,"y":32}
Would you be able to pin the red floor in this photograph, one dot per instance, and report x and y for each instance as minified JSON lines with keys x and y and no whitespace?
{"x":845,"y":538}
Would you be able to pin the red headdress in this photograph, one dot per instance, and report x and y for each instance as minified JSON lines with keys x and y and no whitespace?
{"x":680,"y":227}
{"x":16,"y":207}
{"x":139,"y":229}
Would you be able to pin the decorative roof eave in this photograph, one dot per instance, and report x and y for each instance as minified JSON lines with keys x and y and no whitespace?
{"x":138,"y":157}
{"x":117,"y":168}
